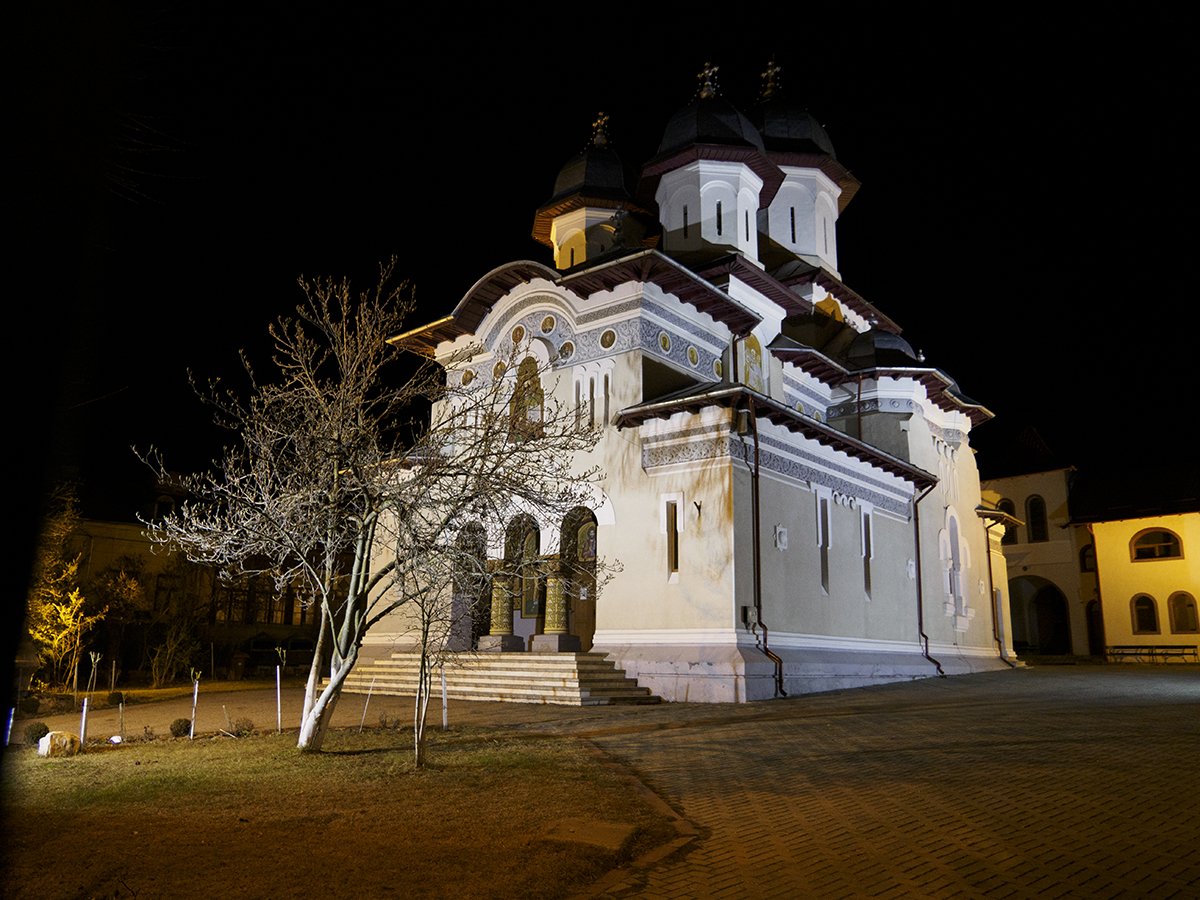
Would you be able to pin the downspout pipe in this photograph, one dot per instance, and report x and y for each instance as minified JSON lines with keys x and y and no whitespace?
{"x":920,"y":586}
{"x":987,"y":530}
{"x":756,"y":532}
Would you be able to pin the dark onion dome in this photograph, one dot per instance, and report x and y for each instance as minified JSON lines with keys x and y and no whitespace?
{"x":595,"y":177}
{"x":597,"y":171}
{"x":710,"y":127}
{"x":708,"y":119}
{"x":787,"y":126}
{"x":877,"y":349}
{"x":793,"y":137}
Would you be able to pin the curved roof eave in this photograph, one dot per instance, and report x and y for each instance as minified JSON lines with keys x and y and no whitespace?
{"x":642,"y":266}
{"x":941,"y":388}
{"x":765,"y":407}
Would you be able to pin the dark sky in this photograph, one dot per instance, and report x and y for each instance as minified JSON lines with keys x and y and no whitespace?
{"x":1026,"y":211}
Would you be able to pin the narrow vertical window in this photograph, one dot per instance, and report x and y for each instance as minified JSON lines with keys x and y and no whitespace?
{"x":792,"y":216}
{"x":578,"y":397}
{"x":672,"y":537}
{"x":823,"y":540}
{"x":685,"y":221}
{"x":1035,"y":519}
{"x":825,"y":231}
{"x":592,"y":402}
{"x":719,"y":223}
{"x":572,"y":256}
{"x":605,"y":420}
{"x":868,"y":550}
{"x":747,"y":220}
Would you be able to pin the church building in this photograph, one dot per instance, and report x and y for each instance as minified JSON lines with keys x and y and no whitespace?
{"x":789,"y":490}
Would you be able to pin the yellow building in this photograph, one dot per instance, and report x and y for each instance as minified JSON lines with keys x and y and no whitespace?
{"x":1149,"y":575}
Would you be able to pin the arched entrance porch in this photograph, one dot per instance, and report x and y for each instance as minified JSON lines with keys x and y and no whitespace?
{"x":544,"y":601}
{"x":1041,"y":620}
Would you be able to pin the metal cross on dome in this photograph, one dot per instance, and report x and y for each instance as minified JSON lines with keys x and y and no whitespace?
{"x":771,"y":82}
{"x":600,"y":130}
{"x":708,"y":81}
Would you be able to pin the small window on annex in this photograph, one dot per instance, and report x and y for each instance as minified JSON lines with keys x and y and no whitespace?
{"x":1087,"y":558}
{"x":1145,"y":614}
{"x":1010,"y":531}
{"x":1182,"y":607}
{"x":1035,"y":519}
{"x":1155,"y":543}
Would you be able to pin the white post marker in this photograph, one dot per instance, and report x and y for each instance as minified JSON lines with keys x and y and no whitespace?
{"x":195,"y":698}
{"x":278,"y":703}
{"x":365,"y":702}
{"x":8,"y":731}
{"x":445,"y":707}
{"x":83,"y":724}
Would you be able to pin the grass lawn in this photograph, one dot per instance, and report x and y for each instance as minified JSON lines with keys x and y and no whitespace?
{"x":494,"y":814}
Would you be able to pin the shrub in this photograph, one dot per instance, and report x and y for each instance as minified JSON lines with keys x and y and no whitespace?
{"x":242,"y":727}
{"x":35,"y":731}
{"x":28,"y":705}
{"x":116,"y":698}
{"x":181,"y":727}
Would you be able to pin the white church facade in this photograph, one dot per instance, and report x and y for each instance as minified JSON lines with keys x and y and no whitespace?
{"x":789,"y":491}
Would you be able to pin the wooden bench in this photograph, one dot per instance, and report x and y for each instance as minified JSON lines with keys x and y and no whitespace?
{"x":1152,"y":652}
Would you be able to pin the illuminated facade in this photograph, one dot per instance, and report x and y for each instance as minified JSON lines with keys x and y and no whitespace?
{"x":789,"y":489}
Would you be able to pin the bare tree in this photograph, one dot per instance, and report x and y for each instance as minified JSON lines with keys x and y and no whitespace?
{"x":58,"y":613}
{"x":339,"y":486}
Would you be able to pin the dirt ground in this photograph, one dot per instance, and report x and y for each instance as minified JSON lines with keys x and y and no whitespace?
{"x":504,"y":810}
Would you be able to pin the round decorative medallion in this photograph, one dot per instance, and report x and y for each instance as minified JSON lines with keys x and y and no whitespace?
{"x":693,"y":356}
{"x":498,"y":370}
{"x":566,"y":351}
{"x":608,"y":338}
{"x":664,"y":341}
{"x":518,"y":334}
{"x":718,"y":369}
{"x":800,"y":408}
{"x":467,"y":377}
{"x":548,"y":324}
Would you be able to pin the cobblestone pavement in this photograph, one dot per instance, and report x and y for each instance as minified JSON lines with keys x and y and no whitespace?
{"x":1048,"y":782}
{"x":1055,"y":781}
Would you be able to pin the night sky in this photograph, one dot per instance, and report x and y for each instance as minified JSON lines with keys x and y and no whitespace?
{"x":1026,"y":211}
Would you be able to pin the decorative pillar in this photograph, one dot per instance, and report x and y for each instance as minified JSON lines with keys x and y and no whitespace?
{"x":556,"y":606}
{"x":502,"y":618}
{"x":501,"y":639}
{"x":555,"y":639}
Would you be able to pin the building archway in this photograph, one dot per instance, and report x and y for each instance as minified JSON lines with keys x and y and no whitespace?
{"x":522,"y":563}
{"x":1041,"y":619}
{"x":472,"y":598}
{"x":577,"y":568}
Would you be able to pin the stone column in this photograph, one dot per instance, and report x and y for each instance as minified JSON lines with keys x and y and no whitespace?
{"x":556,"y":606}
{"x":501,"y":639}
{"x":555,"y":639}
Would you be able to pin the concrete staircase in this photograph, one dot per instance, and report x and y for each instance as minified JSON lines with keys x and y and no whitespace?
{"x":568,"y":679}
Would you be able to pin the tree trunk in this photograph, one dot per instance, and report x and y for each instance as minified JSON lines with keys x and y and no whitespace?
{"x":420,"y":707}
{"x":314,"y":670}
{"x":316,"y":722}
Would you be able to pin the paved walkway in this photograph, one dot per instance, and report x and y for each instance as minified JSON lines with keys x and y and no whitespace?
{"x":1044,"y":782}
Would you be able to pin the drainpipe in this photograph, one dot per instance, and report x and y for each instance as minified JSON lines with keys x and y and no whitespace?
{"x":987,"y":532}
{"x":758,"y":616}
{"x":920,"y":586}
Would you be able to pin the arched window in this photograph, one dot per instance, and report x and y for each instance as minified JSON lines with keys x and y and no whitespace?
{"x":1155,"y":543}
{"x":1010,"y":531}
{"x":1035,"y":519}
{"x":525,"y":408}
{"x":1184,"y":620}
{"x":1145,"y":614}
{"x":1087,"y":558}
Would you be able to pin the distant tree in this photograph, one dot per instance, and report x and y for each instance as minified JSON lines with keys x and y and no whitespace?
{"x":345,"y":487}
{"x":57,"y":612}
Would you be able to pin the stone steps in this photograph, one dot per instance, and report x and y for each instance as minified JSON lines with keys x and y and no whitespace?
{"x":568,"y":679}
